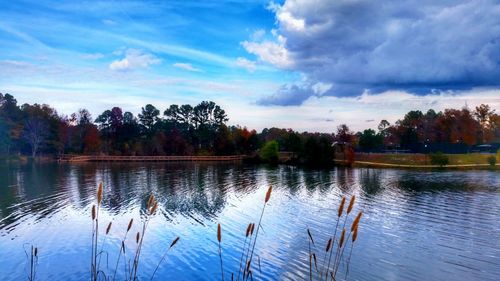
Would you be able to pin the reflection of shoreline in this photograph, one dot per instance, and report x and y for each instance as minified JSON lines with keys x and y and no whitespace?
{"x":366,"y":164}
{"x":112,"y":158}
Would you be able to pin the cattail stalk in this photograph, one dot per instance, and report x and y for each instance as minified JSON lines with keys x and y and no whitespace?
{"x":252,"y":228}
{"x":164,"y":255}
{"x":219,"y":238}
{"x":151,"y":209}
{"x":354,"y":237}
{"x":33,"y":262}
{"x":341,"y":243}
{"x":122,"y":247}
{"x":327,"y":249}
{"x":95,"y":233}
{"x":247,"y":233}
{"x":268,"y":196}
{"x":108,"y":229}
{"x":339,"y":215}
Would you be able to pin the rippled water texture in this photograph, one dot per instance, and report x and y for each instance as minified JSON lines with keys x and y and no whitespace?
{"x":418,"y":225}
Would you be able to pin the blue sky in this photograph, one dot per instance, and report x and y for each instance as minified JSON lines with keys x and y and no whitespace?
{"x":307,"y":65}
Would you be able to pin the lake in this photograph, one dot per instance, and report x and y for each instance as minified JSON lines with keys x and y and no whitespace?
{"x":417,"y":225}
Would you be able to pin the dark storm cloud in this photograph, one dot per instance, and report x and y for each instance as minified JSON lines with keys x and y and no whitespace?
{"x":414,"y":46}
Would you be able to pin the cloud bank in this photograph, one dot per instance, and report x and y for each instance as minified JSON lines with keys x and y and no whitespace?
{"x":134,"y":59}
{"x":363,"y":46}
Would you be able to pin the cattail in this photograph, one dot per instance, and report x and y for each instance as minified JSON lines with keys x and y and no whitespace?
{"x":310,"y":235}
{"x":174,"y":242}
{"x":253,"y":228}
{"x":355,"y":235}
{"x":341,"y":243}
{"x":99,"y":193}
{"x":356,"y":221}
{"x":329,"y":245}
{"x":315,"y":261}
{"x":108,"y":228}
{"x":123,"y":247}
{"x":137,"y":237}
{"x":130,"y":224}
{"x":351,"y":204}
{"x":153,"y":209}
{"x":341,"y":207}
{"x":150,"y":201}
{"x":268,"y":194}
{"x":249,"y":227}
{"x":219,"y":233}
{"x":36,"y":251}
{"x":93,"y":212}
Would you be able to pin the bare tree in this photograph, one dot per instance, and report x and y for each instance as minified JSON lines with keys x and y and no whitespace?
{"x":35,"y":132}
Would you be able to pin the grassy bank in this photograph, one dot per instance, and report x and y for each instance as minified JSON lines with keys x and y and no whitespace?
{"x":407,"y":160}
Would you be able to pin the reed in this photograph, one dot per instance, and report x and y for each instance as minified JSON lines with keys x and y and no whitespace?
{"x":94,"y":267}
{"x":122,"y":247}
{"x":164,"y":255}
{"x":219,"y":238}
{"x":309,"y":241}
{"x":102,"y":252}
{"x":328,"y":247}
{"x":340,"y":211}
{"x":151,"y":208}
{"x":248,"y":232}
{"x":266,"y":200}
{"x":252,"y":228}
{"x":248,"y":251}
{"x":330,"y":269}
{"x":354,"y":234}
{"x":33,"y":262}
{"x":354,"y":237}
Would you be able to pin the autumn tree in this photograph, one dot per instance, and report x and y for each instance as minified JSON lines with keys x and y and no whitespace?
{"x":345,"y":135}
{"x":486,"y":118}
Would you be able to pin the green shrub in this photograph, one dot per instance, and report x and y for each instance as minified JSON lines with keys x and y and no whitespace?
{"x":269,"y":152}
{"x":439,"y":158}
{"x":492,"y":160}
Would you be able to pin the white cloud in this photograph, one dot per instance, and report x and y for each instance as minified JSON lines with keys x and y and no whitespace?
{"x":186,"y":66}
{"x":271,"y":52}
{"x":258,"y":35}
{"x":134,"y":59}
{"x":289,"y":21}
{"x":245,"y":63}
{"x":94,"y":56}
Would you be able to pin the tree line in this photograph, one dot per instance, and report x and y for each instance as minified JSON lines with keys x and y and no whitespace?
{"x":452,"y":130}
{"x":202,"y":130}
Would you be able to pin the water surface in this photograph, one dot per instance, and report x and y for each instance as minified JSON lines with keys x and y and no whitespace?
{"x":417,"y":225}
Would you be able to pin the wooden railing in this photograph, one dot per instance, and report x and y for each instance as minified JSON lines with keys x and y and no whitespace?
{"x":106,"y":158}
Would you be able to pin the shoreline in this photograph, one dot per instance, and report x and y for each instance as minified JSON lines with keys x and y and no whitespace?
{"x":367,"y":164}
{"x":241,"y":158}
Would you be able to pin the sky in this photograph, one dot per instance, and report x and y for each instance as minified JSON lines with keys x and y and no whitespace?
{"x":307,"y":65}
